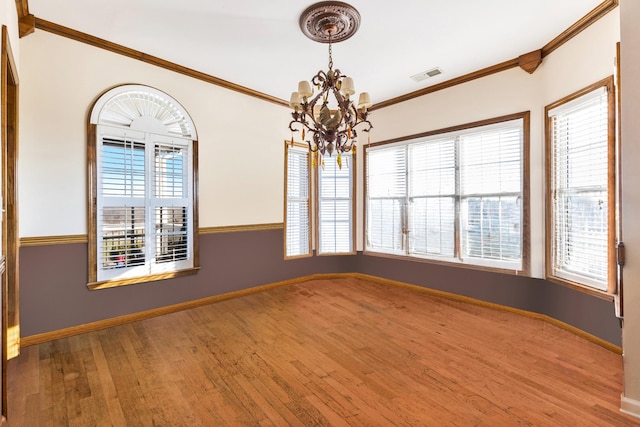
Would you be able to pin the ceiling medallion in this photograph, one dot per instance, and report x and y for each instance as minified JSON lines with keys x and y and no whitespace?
{"x":324,"y":109}
{"x":329,"y":21}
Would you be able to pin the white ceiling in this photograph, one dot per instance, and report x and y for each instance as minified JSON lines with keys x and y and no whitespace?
{"x":259,"y":44}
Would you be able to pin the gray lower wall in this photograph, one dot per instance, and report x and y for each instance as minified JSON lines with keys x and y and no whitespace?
{"x":53,"y":292}
{"x":53,"y":278}
{"x":588,"y":313}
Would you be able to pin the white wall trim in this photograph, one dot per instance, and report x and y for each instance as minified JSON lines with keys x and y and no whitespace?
{"x":630,"y":406}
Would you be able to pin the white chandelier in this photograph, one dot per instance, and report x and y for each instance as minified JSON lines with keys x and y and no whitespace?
{"x":330,"y":116}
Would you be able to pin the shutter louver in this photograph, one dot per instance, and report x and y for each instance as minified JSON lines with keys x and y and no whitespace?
{"x":579,"y":189}
{"x":171,"y":234}
{"x":123,"y":237}
{"x":171,"y":204}
{"x":170,"y":172}
{"x":121,"y":220}
{"x":123,"y":171}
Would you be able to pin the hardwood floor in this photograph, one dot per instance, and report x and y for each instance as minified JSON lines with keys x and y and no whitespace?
{"x":344,"y":352}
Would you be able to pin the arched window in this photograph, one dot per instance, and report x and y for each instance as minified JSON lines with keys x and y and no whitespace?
{"x":142,"y":158}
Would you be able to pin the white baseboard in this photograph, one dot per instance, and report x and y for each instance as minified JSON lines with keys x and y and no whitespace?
{"x":630,"y":406}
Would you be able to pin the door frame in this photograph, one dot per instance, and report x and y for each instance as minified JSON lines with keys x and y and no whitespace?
{"x":10,"y":233}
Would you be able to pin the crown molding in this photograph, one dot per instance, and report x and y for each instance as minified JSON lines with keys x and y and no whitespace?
{"x":22,"y":7}
{"x":503,"y":66}
{"x":585,"y":22}
{"x":26,"y":27}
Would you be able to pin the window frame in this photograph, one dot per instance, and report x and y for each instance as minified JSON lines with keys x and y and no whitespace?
{"x":301,"y":148}
{"x":525,"y":191}
{"x":608,"y":84}
{"x":94,"y":130}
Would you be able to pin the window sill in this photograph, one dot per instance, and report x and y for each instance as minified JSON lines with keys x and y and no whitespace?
{"x":142,"y":279}
{"x":605,"y":295}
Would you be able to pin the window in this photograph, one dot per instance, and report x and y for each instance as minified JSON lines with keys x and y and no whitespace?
{"x":142,"y":188}
{"x":335,"y":204}
{"x":298,"y":204}
{"x":456,"y":195}
{"x":580,"y":188}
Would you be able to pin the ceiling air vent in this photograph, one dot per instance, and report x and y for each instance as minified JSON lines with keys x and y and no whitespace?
{"x":427,"y":74}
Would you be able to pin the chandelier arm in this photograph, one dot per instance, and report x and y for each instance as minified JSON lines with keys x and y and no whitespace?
{"x":320,"y":79}
{"x":368,"y":129}
{"x":291,"y":126}
{"x":305,"y":124}
{"x":313,"y":149}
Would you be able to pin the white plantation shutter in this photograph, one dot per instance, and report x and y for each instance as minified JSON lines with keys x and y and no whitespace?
{"x":122,"y":211}
{"x":297,"y":213}
{"x":144,"y":204}
{"x":386,"y":199}
{"x":336,"y":204}
{"x":453,"y":196}
{"x":579,"y":189}
{"x":490,"y":191}
{"x":171,"y":204}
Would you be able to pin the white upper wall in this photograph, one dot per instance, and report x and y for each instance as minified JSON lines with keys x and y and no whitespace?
{"x":241,"y":154}
{"x":585,"y":59}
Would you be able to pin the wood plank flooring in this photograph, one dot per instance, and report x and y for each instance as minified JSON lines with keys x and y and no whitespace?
{"x":343,"y":352}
